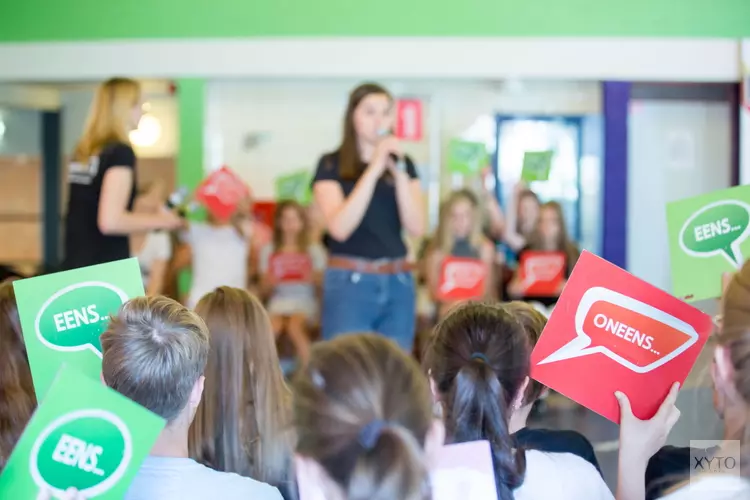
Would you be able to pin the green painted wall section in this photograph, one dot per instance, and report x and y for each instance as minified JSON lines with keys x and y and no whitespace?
{"x":35,"y":20}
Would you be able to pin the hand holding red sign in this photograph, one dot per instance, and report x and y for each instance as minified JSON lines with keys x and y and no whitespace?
{"x":542,"y":273}
{"x":221,"y":193}
{"x":461,"y":279}
{"x":613,"y":332}
{"x":291,"y":267}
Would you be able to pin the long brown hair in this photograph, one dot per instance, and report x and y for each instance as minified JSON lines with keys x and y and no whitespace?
{"x":348,"y":152}
{"x":243,"y":424}
{"x":303,"y":240}
{"x":350,"y":383}
{"x":17,"y":399}
{"x":479,"y":359}
{"x":564,"y":243}
{"x":735,"y":337}
{"x":109,"y":117}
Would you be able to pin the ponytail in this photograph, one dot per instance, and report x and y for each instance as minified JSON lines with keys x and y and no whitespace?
{"x":393,"y":467}
{"x":479,"y":409}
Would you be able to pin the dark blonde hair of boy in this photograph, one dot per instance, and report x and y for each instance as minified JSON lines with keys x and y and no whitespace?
{"x":153,"y":352}
{"x":533,"y":323}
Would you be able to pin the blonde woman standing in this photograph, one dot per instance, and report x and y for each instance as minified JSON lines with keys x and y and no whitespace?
{"x":102,"y":180}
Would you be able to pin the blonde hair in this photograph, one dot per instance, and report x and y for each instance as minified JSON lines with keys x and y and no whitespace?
{"x":243,"y":424}
{"x":153,"y":352}
{"x":109,"y":117}
{"x":445,"y":238}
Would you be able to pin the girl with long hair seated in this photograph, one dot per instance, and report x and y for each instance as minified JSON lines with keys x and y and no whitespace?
{"x":364,"y":420}
{"x":17,"y":399}
{"x":243,"y":423}
{"x":478,"y":363}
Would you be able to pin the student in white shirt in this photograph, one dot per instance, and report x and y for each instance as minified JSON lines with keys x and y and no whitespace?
{"x":155,"y":352}
{"x":478,"y":363}
{"x":730,"y":371}
{"x":154,"y":248}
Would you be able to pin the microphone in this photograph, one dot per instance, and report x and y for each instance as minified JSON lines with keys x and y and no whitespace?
{"x":397,"y":160}
{"x":178,"y":201}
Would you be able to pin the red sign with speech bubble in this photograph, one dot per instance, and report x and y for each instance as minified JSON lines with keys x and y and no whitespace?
{"x":291,"y":266}
{"x":221,"y":193}
{"x":611,"y":331}
{"x":461,"y":279}
{"x":541,"y":273}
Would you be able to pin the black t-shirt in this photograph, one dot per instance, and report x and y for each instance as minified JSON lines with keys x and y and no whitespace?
{"x":554,"y":441}
{"x":670,"y":466}
{"x":85,"y":245}
{"x":378,"y":235}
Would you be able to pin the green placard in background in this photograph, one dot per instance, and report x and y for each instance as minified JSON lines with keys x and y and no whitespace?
{"x":708,"y":236}
{"x":295,"y":186}
{"x":84,"y":436}
{"x":466,"y":158}
{"x":63,"y":314}
{"x":536,"y":165}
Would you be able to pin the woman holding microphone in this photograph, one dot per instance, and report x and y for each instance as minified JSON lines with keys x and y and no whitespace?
{"x":369,"y":193}
{"x":102,"y":181}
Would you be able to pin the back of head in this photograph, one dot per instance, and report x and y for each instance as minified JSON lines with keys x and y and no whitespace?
{"x":243,"y":423}
{"x":735,"y":337}
{"x":17,"y":399}
{"x":363,"y":411}
{"x":479,"y":360}
{"x":153,"y":352}
{"x":109,"y":118}
{"x":533,"y":322}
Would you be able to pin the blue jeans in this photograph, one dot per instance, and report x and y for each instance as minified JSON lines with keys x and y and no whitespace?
{"x":356,"y":302}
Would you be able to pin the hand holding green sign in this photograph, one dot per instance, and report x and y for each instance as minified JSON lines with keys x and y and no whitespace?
{"x":708,"y":237}
{"x":83,"y":436}
{"x":63,"y":314}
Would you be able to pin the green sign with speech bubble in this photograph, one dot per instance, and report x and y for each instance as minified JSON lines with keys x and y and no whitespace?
{"x":536,"y":165}
{"x":466,"y":158}
{"x":62,"y":316}
{"x":708,"y":236}
{"x":295,"y":186}
{"x":84,"y":436}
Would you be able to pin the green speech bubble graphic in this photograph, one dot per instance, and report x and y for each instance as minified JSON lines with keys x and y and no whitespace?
{"x":717,"y":229}
{"x":89,"y":450}
{"x":73,"y":318}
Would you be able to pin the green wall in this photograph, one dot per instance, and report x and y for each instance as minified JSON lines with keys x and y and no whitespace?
{"x":34,"y":20}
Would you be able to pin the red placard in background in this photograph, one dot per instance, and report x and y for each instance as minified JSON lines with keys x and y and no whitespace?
{"x":221,"y":192}
{"x":291,"y":266}
{"x":541,"y":273}
{"x":611,"y":331}
{"x":461,"y":279}
{"x":409,"y":119}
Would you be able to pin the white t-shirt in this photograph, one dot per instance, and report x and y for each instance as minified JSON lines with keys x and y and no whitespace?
{"x":156,"y":247}
{"x":713,"y":487}
{"x":562,"y":476}
{"x":165,"y":478}
{"x":219,"y":259}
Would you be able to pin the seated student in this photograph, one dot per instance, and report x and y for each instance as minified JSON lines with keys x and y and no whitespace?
{"x":293,"y":305}
{"x":559,"y":441}
{"x":243,"y":424}
{"x":639,"y":440}
{"x":17,"y":398}
{"x":459,"y":234}
{"x":478,"y":363}
{"x":550,"y":235}
{"x":358,"y":438}
{"x":155,"y":352}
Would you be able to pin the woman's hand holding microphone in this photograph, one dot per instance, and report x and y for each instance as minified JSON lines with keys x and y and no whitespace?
{"x":388,"y":154}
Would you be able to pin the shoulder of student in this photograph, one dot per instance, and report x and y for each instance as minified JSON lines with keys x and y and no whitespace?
{"x":328,"y":168}
{"x":230,"y":486}
{"x":713,"y":486}
{"x":119,"y":154}
{"x":556,"y":472}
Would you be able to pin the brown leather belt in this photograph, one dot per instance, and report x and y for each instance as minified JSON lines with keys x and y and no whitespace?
{"x":381,"y":266}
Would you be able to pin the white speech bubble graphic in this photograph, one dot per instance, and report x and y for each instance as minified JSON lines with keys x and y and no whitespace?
{"x":735,"y":245}
{"x":531,"y":268}
{"x":461,"y":275}
{"x":123,"y":297}
{"x":579,"y":346}
{"x":105,"y":485}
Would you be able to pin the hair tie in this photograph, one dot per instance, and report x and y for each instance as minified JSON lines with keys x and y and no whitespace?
{"x":370,"y":433}
{"x":479,"y":355}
